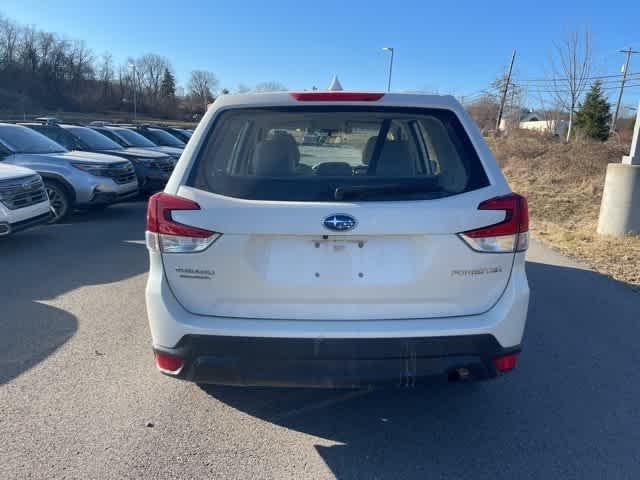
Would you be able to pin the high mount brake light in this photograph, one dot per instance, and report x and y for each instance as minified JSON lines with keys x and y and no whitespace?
{"x":509,"y":235}
{"x":168,"y":236}
{"x":337,"y":96}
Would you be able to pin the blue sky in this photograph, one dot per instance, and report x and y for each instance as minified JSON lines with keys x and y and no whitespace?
{"x":451,"y":47}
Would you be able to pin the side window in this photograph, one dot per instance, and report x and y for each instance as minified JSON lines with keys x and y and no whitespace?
{"x":449,"y":166}
{"x":4,"y":152}
{"x":228,"y":150}
{"x":110,"y":135}
{"x":55,"y":135}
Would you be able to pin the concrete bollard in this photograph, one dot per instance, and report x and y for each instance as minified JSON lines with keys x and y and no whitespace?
{"x":620,"y":208}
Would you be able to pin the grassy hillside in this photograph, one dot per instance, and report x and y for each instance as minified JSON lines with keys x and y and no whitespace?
{"x":563,"y":183}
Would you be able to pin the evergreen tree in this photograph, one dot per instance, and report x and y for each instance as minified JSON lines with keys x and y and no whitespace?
{"x":168,"y":85}
{"x":594,"y":114}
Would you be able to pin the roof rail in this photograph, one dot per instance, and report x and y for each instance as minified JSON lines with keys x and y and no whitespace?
{"x":48,"y":120}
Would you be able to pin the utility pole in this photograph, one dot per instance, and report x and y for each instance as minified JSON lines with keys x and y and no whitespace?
{"x":389,"y":49}
{"x":619,"y":210}
{"x":132,"y":66}
{"x":614,"y":119}
{"x":504,"y":91}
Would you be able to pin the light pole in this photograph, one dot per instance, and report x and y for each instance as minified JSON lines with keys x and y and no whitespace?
{"x":132,"y":66}
{"x":389,"y":49}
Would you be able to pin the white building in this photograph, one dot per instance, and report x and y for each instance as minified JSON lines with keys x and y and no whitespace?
{"x":536,"y":122}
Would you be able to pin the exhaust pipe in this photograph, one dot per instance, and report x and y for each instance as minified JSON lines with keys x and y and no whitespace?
{"x":5,"y":229}
{"x":459,"y":374}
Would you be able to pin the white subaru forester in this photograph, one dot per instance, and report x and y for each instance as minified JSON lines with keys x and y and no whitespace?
{"x":390,"y":249}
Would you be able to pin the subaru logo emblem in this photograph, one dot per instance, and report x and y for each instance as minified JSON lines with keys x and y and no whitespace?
{"x":340,"y":222}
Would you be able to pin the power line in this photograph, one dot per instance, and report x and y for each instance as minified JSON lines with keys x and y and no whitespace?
{"x":561,"y":79}
{"x":562,"y":90}
{"x":629,"y":52}
{"x":611,"y":82}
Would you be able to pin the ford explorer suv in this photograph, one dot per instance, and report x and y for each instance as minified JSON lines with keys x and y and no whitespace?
{"x":23,"y":200}
{"x":72,"y":179}
{"x":152,"y":168}
{"x":393,"y":252}
{"x":129,"y":138}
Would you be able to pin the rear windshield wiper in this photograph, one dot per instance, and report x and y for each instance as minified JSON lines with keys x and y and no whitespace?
{"x":341,"y":193}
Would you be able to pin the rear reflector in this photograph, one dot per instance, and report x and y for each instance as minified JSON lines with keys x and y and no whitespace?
{"x":506,"y":362}
{"x":509,"y":235}
{"x":168,"y":236}
{"x":336,"y":96}
{"x":168,"y":363}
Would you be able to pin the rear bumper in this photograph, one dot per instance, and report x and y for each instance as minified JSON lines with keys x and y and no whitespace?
{"x":347,"y":362}
{"x":243,"y":351}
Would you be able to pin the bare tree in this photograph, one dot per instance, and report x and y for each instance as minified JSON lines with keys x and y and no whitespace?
{"x":202,"y":85}
{"x":106,"y":75}
{"x":551,"y":112}
{"x":515,"y":100}
{"x":242,"y":88}
{"x":150,"y":70}
{"x":270,"y":86}
{"x":571,"y":67}
{"x":9,"y":33}
{"x":484,"y":111}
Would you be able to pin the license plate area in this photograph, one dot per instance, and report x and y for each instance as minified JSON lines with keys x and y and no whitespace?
{"x":341,"y":260}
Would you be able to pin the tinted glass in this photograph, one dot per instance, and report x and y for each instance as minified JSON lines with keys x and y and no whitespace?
{"x":327,"y":154}
{"x":132,"y":139}
{"x":166,"y":139}
{"x":24,"y":140}
{"x":58,"y":135}
{"x":92,"y":139}
{"x":111,"y":136}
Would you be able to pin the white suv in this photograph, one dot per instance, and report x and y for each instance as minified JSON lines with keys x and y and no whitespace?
{"x":392,"y":251}
{"x":23,"y":200}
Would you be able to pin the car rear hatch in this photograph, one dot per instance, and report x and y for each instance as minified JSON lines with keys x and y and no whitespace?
{"x":369,"y":224}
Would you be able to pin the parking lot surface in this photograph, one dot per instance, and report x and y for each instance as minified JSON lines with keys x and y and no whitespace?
{"x":81,"y":398}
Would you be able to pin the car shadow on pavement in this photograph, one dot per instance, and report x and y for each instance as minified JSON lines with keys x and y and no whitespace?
{"x":40,"y":265}
{"x":29,"y":333}
{"x":570,"y":409}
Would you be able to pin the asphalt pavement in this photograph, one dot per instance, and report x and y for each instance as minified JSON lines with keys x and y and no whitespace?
{"x":81,"y":398}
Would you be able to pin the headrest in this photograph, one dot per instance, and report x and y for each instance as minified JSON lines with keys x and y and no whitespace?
{"x":367,"y":151}
{"x":273,"y":158}
{"x":334,"y":169}
{"x":395,"y":160}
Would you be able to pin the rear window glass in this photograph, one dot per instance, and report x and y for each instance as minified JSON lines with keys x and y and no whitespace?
{"x":328,"y":154}
{"x":93,"y":139}
{"x":133,"y":139}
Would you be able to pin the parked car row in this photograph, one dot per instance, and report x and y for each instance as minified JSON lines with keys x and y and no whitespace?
{"x":50,"y":168}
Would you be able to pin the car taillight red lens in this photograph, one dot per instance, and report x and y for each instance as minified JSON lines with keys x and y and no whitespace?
{"x":168,"y":236}
{"x":337,"y":96}
{"x":168,"y":363}
{"x":505,"y":363}
{"x":509,"y":235}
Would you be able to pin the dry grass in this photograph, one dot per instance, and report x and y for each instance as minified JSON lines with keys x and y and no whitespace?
{"x":563,"y":183}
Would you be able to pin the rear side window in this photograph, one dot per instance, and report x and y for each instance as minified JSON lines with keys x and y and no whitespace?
{"x":329,"y":153}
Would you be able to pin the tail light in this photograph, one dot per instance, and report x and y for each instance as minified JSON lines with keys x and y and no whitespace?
{"x":337,"y":96}
{"x":508,"y":236}
{"x":168,"y":236}
{"x":505,"y":363}
{"x":168,"y":363}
